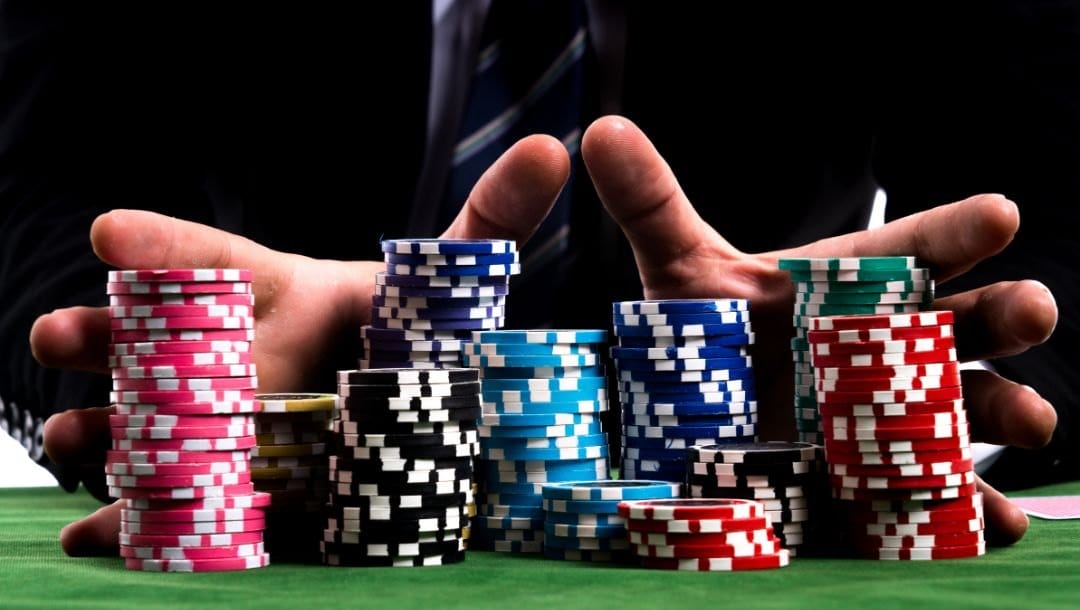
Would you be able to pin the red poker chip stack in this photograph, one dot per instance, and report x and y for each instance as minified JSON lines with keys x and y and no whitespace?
{"x":184,"y":388}
{"x":897,"y":442}
{"x":703,"y":535}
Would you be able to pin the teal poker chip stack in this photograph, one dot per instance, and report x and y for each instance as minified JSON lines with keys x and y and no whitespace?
{"x":685,"y":378}
{"x":845,"y":287}
{"x":432,"y":296}
{"x":544,"y":393}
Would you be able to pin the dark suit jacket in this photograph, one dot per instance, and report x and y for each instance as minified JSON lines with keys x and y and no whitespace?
{"x":304,"y":129}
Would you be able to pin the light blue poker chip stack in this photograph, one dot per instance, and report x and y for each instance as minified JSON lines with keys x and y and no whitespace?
{"x":432,"y":296}
{"x":544,"y":392}
{"x":685,"y":378}
{"x":845,"y":287}
{"x":582,"y":521}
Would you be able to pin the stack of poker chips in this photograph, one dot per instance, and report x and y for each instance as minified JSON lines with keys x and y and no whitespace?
{"x":582,"y":520}
{"x":786,"y":478}
{"x":289,"y":462}
{"x":184,"y":386}
{"x":434,"y":293}
{"x":401,"y":476}
{"x":544,"y":393}
{"x":703,"y":535}
{"x":841,"y":287}
{"x":896,"y":434}
{"x":685,"y":378}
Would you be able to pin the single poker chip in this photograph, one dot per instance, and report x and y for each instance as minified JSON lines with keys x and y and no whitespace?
{"x":199,"y":565}
{"x":418,"y":324}
{"x":173,"y":421}
{"x":404,"y":480}
{"x":692,"y":509}
{"x":925,"y":554}
{"x":719,"y":550}
{"x":954,"y":431}
{"x":679,"y":306}
{"x":238,"y":501}
{"x":181,"y":493}
{"x":194,"y":527}
{"x":455,"y":260}
{"x":936,"y":369}
{"x":178,"y":469}
{"x":448,"y":346}
{"x":182,"y":323}
{"x":594,"y":507}
{"x":541,"y":385}
{"x":866,"y":541}
{"x":407,"y":376}
{"x":865,"y":518}
{"x":437,"y":303}
{"x":913,"y":333}
{"x":181,"y":311}
{"x":685,"y":431}
{"x":529,"y":349}
{"x":374,"y":404}
{"x":636,"y":398}
{"x":868,"y":286}
{"x":896,"y":460}
{"x":683,"y":330}
{"x":526,"y":432}
{"x":161,"y":348}
{"x":813,"y":309}
{"x":500,"y":289}
{"x":393,"y":419}
{"x":194,"y":552}
{"x":924,"y":494}
{"x":529,"y":480}
{"x":343,"y":426}
{"x":158,"y":300}
{"x":883,"y":347}
{"x":691,"y":409}
{"x":749,"y":493}
{"x":185,"y":384}
{"x":901,"y":482}
{"x":965,"y":526}
{"x":947,"y":419}
{"x":681,"y":319}
{"x":189,"y":409}
{"x":438,"y":313}
{"x":720,"y":564}
{"x":181,"y":275}
{"x":510,"y":523}
{"x":407,"y":359}
{"x":586,"y":543}
{"x":335,"y":559}
{"x":741,"y":481}
{"x":896,"y":383}
{"x":448,"y":246}
{"x":863,"y":298}
{"x":542,"y":396}
{"x":866,"y":263}
{"x":547,"y":419}
{"x":520,"y":511}
{"x":166,"y":361}
{"x":780,"y":468}
{"x":768,"y":452}
{"x":364,"y":363}
{"x":182,"y":480}
{"x":611,"y":490}
{"x":405,"y":453}
{"x":466,"y":388}
{"x":543,"y":372}
{"x":232,"y":443}
{"x":176,"y":432}
{"x":914,"y":274}
{"x":540,"y":336}
{"x":174,"y":457}
{"x":454,"y":270}
{"x":676,"y":353}
{"x":899,"y":445}
{"x":394,"y":549}
{"x":395,"y":467}
{"x":555,"y":360}
{"x":561,"y":453}
{"x":408,"y":440}
{"x":730,"y":532}
{"x":669,"y":421}
{"x":177,"y":288}
{"x":689,"y":364}
{"x":174,"y":372}
{"x":139,"y":336}
{"x":704,"y":387}
{"x":727,"y":340}
{"x":881,"y":360}
{"x":926,"y":318}
{"x":441,"y":281}
{"x":296,"y":403}
{"x":959,"y":502}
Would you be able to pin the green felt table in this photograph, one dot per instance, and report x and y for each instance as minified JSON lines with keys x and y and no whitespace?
{"x":1042,"y":571}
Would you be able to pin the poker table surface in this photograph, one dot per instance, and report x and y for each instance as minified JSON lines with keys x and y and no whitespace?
{"x":1041,"y":571}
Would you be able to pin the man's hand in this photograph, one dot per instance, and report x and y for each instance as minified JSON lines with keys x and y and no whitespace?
{"x":680,"y":256}
{"x":302,"y":305}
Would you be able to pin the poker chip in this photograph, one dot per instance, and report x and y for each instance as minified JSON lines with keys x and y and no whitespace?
{"x":158,"y":299}
{"x":140,"y":336}
{"x":163,"y":348}
{"x":239,"y":287}
{"x":193,"y":527}
{"x":164,"y":315}
{"x":189,"y":409}
{"x":685,"y":306}
{"x":228,"y":564}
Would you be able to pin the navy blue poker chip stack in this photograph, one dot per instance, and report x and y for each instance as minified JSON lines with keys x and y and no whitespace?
{"x":433,"y":295}
{"x":582,"y":521}
{"x":544,"y":392}
{"x":401,"y":491}
{"x":787,"y":478}
{"x":685,"y":378}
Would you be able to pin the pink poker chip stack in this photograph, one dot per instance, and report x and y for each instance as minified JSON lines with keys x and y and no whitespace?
{"x":184,"y":385}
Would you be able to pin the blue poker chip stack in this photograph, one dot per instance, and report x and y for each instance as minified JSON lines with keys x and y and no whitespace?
{"x":543,"y":395}
{"x":433,"y":295}
{"x":845,"y":287}
{"x":581,"y":518}
{"x":685,"y":378}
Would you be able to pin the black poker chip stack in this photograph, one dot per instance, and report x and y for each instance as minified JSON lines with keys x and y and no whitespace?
{"x":401,"y":474}
{"x":787,"y":478}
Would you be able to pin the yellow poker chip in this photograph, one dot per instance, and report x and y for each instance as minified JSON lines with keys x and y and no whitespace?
{"x":296,"y":403}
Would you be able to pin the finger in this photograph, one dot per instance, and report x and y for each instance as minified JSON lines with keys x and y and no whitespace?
{"x":78,"y":436}
{"x":73,"y":338}
{"x":643,"y":196}
{"x":96,"y":535}
{"x":136,"y":239}
{"x":515,"y":194}
{"x":1002,"y":319}
{"x":1005,"y":522}
{"x":949,"y":239}
{"x":1007,"y":413}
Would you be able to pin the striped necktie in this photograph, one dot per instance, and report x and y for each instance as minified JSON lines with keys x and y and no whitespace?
{"x":528,"y":80}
